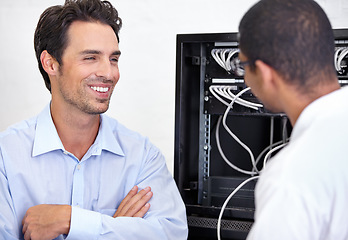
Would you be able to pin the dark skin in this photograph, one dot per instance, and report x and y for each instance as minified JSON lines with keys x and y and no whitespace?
{"x":278,"y":95}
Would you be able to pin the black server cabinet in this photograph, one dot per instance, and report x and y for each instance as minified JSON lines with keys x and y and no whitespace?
{"x":203,"y":177}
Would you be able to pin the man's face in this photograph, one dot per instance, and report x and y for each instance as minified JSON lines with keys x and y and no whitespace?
{"x":250,"y":77}
{"x":89,"y":70}
{"x":255,"y":80}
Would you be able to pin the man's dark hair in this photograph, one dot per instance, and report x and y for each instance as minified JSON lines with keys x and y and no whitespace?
{"x":54,"y":23}
{"x":294,"y":37}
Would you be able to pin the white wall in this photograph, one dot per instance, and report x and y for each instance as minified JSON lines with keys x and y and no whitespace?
{"x":144,"y":97}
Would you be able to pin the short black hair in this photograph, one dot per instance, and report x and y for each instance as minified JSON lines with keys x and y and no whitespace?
{"x":294,"y":37}
{"x":54,"y":23}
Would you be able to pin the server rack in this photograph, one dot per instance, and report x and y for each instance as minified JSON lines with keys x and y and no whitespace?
{"x":203,"y":177}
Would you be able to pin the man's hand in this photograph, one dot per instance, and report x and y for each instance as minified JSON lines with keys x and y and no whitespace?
{"x":46,"y":221}
{"x":135,"y":204}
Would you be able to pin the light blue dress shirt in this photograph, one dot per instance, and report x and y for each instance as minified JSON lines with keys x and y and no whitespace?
{"x":36,"y":169}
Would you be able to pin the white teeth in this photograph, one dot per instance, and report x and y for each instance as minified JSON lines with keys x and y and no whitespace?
{"x":100,"y":89}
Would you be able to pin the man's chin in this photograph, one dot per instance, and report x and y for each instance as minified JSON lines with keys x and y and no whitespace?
{"x":99,"y":109}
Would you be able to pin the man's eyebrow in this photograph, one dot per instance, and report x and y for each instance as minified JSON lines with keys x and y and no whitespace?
{"x":86,"y":52}
{"x":116,"y":53}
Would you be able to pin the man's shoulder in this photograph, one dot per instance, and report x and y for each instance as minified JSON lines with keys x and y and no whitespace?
{"x":20,"y":129}
{"x":333,"y":103}
{"x":120,"y":130}
{"x":125,"y":137}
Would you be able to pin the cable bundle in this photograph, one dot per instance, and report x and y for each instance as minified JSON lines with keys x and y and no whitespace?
{"x":340,"y":54}
{"x":224,"y":57}
{"x":225,"y":91}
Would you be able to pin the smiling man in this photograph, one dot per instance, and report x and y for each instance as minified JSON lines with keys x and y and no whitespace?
{"x":73,"y":172}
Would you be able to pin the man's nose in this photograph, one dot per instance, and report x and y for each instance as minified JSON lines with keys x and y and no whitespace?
{"x":105,"y":69}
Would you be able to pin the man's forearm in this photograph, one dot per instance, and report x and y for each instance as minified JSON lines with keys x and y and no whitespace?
{"x":46,"y":221}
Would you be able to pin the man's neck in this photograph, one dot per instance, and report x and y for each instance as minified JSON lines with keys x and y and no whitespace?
{"x":296,"y":102}
{"x":76,"y":130}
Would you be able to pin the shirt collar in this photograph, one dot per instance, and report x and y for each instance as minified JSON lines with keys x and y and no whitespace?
{"x":47,"y":138}
{"x":106,"y":138}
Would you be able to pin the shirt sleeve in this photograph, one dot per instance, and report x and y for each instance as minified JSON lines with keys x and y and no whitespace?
{"x":284,"y":211}
{"x":8,"y":220}
{"x":166,"y":218}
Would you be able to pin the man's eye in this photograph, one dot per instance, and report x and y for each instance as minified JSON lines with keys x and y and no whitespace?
{"x":114,"y":59}
{"x":89,"y":58}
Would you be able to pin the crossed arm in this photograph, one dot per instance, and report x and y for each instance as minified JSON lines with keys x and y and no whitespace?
{"x":48,"y":221}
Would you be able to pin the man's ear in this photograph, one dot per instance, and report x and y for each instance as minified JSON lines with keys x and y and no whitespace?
{"x":267,"y":73}
{"x":49,"y":63}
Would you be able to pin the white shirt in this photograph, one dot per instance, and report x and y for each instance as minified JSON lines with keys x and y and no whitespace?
{"x":303,"y":192}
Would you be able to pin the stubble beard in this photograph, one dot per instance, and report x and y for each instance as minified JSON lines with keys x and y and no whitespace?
{"x":81,"y":99}
{"x":83,"y":102}
{"x":85,"y":105}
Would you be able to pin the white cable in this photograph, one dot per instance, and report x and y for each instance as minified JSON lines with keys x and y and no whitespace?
{"x":216,"y":57}
{"x":244,"y":102}
{"x":223,"y":56}
{"x":219,"y":55}
{"x":214,"y":53}
{"x":338,"y":50}
{"x":223,"y":155}
{"x":212,"y":90}
{"x":343,"y":54}
{"x":234,"y":136}
{"x":268,"y":148}
{"x":283,"y":142}
{"x":246,"y":181}
{"x":254,"y":163}
{"x":271,"y":131}
{"x":227,"y":63}
{"x":226,"y":92}
{"x":285,"y":132}
{"x":228,"y":96}
{"x":228,"y":59}
{"x":270,"y":152}
{"x":227,"y":200}
{"x":222,"y":91}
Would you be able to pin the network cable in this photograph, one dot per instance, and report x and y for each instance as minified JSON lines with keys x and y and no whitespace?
{"x":219,"y":55}
{"x":235,"y":138}
{"x":226,"y":202}
{"x":219,"y":91}
{"x":222,"y":154}
{"x":340,"y":54}
{"x":273,"y":147}
{"x":271,"y":151}
{"x":269,"y":148}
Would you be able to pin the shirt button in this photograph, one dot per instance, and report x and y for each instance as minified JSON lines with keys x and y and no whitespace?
{"x":78,"y":167}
